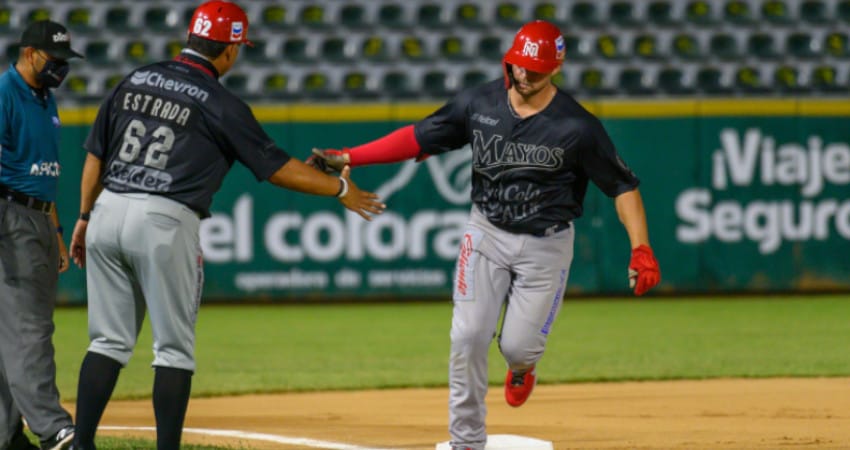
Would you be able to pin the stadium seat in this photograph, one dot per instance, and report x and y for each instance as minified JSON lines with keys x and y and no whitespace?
{"x":634,"y":81}
{"x":824,"y":79}
{"x":375,"y":49}
{"x":317,"y":85}
{"x":391,"y":15}
{"x":5,"y":19}
{"x":436,"y":84}
{"x":843,"y":11}
{"x":414,"y":49}
{"x":762,"y":46}
{"x":117,"y":19}
{"x":172,"y":48}
{"x":738,"y":12}
{"x":646,"y":46}
{"x":353,"y":16}
{"x":275,"y":17}
{"x":786,"y":79}
{"x":160,"y":18}
{"x":356,"y":85}
{"x":623,"y":14}
{"x":297,"y":50}
{"x":336,"y":50}
{"x":593,"y":81}
{"x":709,"y":80}
{"x":258,"y":53}
{"x":686,"y":46}
{"x":137,"y":52}
{"x":660,"y":13}
{"x":724,"y":46}
{"x":586,"y":13}
{"x":749,"y":81}
{"x":112,"y":80}
{"x":97,"y":53}
{"x":453,"y":48}
{"x":432,"y":16}
{"x":314,"y":16}
{"x":550,"y":12}
{"x":576,"y":48}
{"x":836,"y":45}
{"x":473,"y":78}
{"x":398,"y":85}
{"x":79,"y":19}
{"x":77,"y":86}
{"x":509,"y":15}
{"x":700,"y":12}
{"x":37,"y":14}
{"x":672,"y":81}
{"x":276,"y":86}
{"x":802,"y":45}
{"x":236,"y":82}
{"x":469,"y":15}
{"x":490,"y":48}
{"x":815,"y":12}
{"x":776,"y":12}
{"x":608,"y":47}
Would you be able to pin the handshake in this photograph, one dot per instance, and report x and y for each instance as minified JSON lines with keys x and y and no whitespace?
{"x":329,"y":161}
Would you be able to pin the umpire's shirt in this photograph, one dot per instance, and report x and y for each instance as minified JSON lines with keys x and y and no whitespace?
{"x":29,"y":138}
{"x":172,"y":129}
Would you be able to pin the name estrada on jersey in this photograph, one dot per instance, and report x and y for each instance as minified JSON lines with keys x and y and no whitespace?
{"x":176,"y":131}
{"x":528,"y":175}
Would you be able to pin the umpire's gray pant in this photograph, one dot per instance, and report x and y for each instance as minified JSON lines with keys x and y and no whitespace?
{"x":29,"y":269}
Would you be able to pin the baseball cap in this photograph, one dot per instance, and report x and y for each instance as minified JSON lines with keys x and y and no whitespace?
{"x":51,"y":37}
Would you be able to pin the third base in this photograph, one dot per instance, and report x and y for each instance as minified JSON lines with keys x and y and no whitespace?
{"x":508,"y":442}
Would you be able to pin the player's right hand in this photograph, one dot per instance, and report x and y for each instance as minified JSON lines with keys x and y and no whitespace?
{"x":329,"y":160}
{"x":364,"y":203}
{"x":78,"y":243}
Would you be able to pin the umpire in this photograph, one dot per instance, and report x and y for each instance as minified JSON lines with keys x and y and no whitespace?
{"x":32,"y":252}
{"x":159,"y":149}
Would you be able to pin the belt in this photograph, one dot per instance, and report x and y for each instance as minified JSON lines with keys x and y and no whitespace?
{"x":25,"y":200}
{"x":552,"y":230}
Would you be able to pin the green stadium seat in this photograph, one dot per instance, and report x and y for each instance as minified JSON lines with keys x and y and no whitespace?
{"x":672,"y":81}
{"x":843,"y":11}
{"x":576,"y":48}
{"x":468,"y":15}
{"x":436,"y":84}
{"x":317,"y":85}
{"x":802,"y":45}
{"x":117,"y":19}
{"x":661,"y":13}
{"x":391,"y":15}
{"x":738,"y":12}
{"x":824,"y":79}
{"x":550,"y":11}
{"x":353,"y":16}
{"x":258,"y":53}
{"x":560,"y":80}
{"x":709,"y":80}
{"x":137,"y":52}
{"x":314,"y":16}
{"x":414,"y":49}
{"x":79,"y":19}
{"x":275,"y":17}
{"x":77,"y":86}
{"x":762,"y":46}
{"x":172,"y":48}
{"x":398,"y":85}
{"x":453,"y":48}
{"x":700,"y":12}
{"x":509,"y":15}
{"x":473,"y":78}
{"x":786,"y":79}
{"x":336,"y":49}
{"x":432,"y":16}
{"x":97,"y":53}
{"x":608,"y":47}
{"x":236,"y":82}
{"x":112,"y":80}
{"x":356,"y":85}
{"x":5,"y":19}
{"x":815,"y":12}
{"x":163,"y":19}
{"x":586,"y":13}
{"x":634,"y":81}
{"x":277,"y":86}
{"x":37,"y":14}
{"x":724,"y":46}
{"x":645,"y":46}
{"x":593,"y":81}
{"x":686,"y":46}
{"x":622,"y":13}
{"x":490,"y":48}
{"x":375,"y":49}
{"x":776,"y":12}
{"x":836,"y":45}
{"x":748,"y":80}
{"x":297,"y":50}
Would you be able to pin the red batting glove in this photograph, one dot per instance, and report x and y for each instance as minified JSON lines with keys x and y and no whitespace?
{"x":643,"y":270}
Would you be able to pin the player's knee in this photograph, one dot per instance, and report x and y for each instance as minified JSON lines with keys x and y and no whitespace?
{"x":519,"y":355}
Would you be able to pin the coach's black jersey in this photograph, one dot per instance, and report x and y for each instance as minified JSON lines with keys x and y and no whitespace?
{"x":530,"y":174}
{"x":172,"y":129}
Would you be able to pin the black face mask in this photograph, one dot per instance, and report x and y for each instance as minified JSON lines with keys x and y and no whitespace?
{"x":53,"y":73}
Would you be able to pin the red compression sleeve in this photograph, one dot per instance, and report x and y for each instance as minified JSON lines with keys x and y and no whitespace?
{"x":397,"y":146}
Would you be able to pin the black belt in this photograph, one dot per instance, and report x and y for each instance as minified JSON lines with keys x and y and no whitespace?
{"x":25,"y":200}
{"x":552,"y":230}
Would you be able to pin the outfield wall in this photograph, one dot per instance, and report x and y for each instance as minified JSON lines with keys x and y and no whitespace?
{"x":741,"y":195}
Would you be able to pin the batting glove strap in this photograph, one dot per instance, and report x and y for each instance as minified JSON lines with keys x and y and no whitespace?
{"x":644,"y":273}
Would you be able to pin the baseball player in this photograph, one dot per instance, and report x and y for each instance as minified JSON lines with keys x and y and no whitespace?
{"x":159,"y":148}
{"x":534,"y":150}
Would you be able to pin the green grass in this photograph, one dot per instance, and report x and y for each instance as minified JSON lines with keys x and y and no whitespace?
{"x":250,"y":349}
{"x":111,"y":443}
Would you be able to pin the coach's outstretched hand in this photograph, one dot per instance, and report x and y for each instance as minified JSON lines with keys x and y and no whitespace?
{"x":364,"y":203}
{"x":644,"y":273}
{"x":329,"y":161}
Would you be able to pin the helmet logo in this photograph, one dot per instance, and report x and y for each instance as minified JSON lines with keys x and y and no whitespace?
{"x":236,"y":30}
{"x":530,"y":49}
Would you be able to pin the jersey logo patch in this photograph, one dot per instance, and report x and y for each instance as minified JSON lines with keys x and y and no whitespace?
{"x":464,"y":287}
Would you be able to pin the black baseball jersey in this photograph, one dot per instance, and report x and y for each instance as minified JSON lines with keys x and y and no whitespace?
{"x":172,"y":129}
{"x":528,"y":175}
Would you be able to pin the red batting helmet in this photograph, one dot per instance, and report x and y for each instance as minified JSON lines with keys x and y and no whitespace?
{"x":220,"y":21}
{"x":538,"y":46}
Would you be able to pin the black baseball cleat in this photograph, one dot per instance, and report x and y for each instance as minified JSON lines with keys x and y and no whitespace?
{"x":62,"y":440}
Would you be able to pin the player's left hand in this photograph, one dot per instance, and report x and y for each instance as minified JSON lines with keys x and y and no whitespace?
{"x":644,"y":273}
